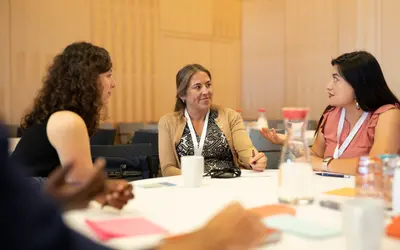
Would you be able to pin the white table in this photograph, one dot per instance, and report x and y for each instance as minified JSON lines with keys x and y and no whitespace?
{"x":181,"y":209}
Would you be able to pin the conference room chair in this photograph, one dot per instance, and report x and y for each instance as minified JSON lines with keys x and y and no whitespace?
{"x":276,"y":124}
{"x":130,"y":162}
{"x":103,"y":137}
{"x":126,"y":130}
{"x":149,"y":136}
{"x":106,"y":125}
{"x":13,"y":130}
{"x":151,"y":126}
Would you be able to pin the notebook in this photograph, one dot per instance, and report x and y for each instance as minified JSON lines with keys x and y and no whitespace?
{"x":115,"y":228}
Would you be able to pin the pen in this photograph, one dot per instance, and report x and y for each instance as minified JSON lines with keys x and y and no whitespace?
{"x":252,"y":154}
{"x":330,"y":204}
{"x":333,"y":175}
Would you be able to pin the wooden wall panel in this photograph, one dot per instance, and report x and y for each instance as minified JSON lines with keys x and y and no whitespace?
{"x":263,"y":57}
{"x":5,"y":82}
{"x":226,"y":72}
{"x":390,"y":50}
{"x":189,"y":17}
{"x":127,"y":29}
{"x":39,"y":30}
{"x":149,"y":40}
{"x":314,"y":32}
{"x":311,"y":42}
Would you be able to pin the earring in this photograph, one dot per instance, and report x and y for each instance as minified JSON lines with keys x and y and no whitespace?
{"x":357,"y":106}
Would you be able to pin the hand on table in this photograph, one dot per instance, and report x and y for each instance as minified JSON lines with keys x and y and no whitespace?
{"x":232,"y":228}
{"x":258,"y":162}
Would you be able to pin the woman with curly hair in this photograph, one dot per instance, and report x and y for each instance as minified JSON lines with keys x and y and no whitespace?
{"x":65,"y":113}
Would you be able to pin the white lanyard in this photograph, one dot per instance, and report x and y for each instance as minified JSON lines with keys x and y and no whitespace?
{"x":198,"y":148}
{"x":339,"y":150}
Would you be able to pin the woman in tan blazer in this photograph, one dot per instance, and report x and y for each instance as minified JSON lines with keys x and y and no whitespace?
{"x":219,"y":134}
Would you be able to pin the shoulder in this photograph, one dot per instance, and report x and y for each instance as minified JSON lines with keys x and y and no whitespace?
{"x":65,"y":122}
{"x":385,"y":108}
{"x":385,"y":114}
{"x":230,"y":114}
{"x":170,"y":118}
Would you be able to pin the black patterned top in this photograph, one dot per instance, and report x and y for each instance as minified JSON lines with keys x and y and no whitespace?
{"x":216,"y":151}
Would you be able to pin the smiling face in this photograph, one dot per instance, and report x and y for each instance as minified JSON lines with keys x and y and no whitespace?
{"x":199,"y":92}
{"x":340,"y":92}
{"x":107,"y":84}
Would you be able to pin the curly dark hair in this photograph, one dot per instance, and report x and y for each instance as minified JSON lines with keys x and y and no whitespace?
{"x":72,"y":84}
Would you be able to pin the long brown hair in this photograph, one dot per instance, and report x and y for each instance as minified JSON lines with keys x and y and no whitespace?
{"x":183,"y":78}
{"x":72,"y":84}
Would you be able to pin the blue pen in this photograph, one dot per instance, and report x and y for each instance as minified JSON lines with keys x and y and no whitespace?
{"x":333,"y":175}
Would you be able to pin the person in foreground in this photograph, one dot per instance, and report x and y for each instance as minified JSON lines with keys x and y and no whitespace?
{"x":199,"y":128}
{"x":363,"y":116}
{"x":65,"y":113}
{"x":41,"y":226}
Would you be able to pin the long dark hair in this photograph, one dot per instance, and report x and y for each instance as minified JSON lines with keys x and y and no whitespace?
{"x":363,"y":72}
{"x":183,"y":78}
{"x":72,"y":84}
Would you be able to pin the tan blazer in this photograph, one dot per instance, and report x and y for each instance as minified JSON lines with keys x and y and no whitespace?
{"x":170,"y":130}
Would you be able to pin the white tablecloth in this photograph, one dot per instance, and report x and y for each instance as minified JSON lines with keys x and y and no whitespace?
{"x":181,"y":209}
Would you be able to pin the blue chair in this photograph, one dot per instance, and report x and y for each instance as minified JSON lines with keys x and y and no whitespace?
{"x":103,"y":137}
{"x":149,"y":136}
{"x":130,"y":162}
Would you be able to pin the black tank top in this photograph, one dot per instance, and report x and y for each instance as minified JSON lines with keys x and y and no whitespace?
{"x":35,"y":152}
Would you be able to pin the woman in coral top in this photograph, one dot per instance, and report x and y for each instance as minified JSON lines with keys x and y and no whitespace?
{"x":363,"y":116}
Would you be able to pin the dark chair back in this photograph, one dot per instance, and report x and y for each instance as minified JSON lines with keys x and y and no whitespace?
{"x":127,"y":129}
{"x":261,"y":144}
{"x":149,"y":136}
{"x":276,"y":124}
{"x":130,"y":162}
{"x":103,"y":137}
{"x":14,"y":130}
{"x":274,"y":159}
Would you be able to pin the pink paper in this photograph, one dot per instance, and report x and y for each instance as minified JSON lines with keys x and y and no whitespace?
{"x":115,"y":228}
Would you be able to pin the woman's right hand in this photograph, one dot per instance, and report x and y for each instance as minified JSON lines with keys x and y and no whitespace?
{"x":234,"y":228}
{"x":272,"y":136}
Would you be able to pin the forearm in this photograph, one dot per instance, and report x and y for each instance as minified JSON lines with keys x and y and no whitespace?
{"x":170,"y":170}
{"x":343,"y":166}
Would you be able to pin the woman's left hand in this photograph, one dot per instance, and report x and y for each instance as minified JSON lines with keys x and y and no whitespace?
{"x":258,"y":162}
